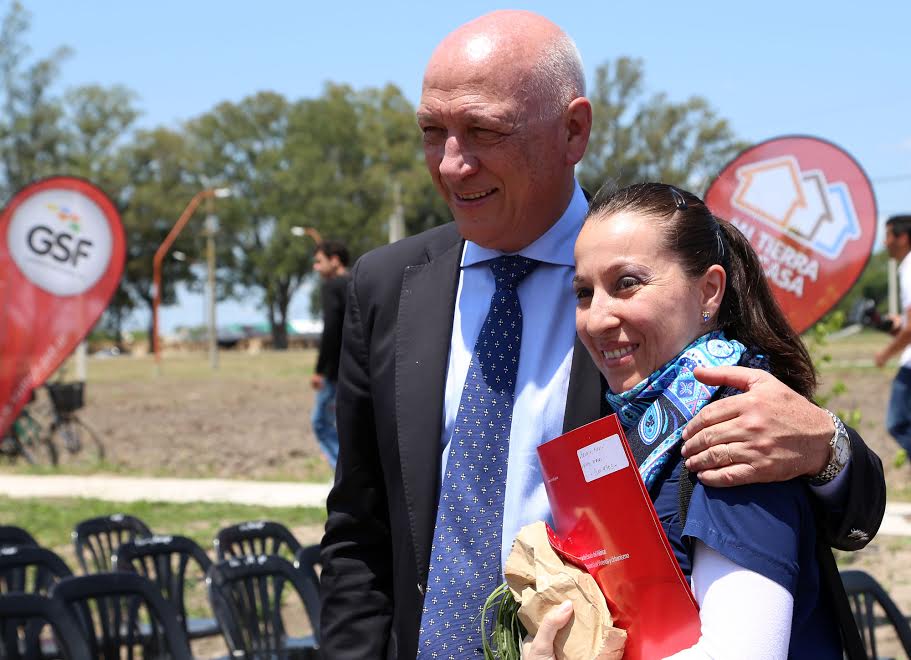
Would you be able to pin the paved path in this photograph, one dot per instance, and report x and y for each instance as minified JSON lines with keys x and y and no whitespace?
{"x":897,"y":521}
{"x":131,"y":489}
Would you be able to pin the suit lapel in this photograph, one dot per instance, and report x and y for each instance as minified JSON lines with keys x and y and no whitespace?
{"x":584,"y":399}
{"x":423,"y":335}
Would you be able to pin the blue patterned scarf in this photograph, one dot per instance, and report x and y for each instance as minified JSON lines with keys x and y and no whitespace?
{"x":654,"y":412}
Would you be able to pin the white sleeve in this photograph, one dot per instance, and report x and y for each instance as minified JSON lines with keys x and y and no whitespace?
{"x":744,"y":615}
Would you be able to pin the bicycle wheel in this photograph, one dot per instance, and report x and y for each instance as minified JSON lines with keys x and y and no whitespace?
{"x":27,"y":436}
{"x":72,"y":442}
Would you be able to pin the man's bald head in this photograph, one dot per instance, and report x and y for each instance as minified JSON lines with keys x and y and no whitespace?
{"x":504,"y":122}
{"x":542,"y":60}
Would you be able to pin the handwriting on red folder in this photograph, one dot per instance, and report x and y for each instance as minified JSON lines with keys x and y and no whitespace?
{"x":605,"y":522}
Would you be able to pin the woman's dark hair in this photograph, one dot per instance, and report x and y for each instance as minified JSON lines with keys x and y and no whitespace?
{"x":749,"y":312}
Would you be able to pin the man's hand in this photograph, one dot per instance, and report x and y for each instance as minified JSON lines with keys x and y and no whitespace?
{"x":316,"y":381}
{"x":881,"y":358}
{"x":767,"y":433}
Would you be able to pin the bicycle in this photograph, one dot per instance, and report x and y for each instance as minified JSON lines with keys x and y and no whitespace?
{"x":68,"y":433}
{"x":24,"y":438}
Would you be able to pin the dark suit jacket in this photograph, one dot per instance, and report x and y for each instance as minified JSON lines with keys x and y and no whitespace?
{"x":382,"y":508}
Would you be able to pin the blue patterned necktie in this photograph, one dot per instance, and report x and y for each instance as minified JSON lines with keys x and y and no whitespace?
{"x":465,"y":557}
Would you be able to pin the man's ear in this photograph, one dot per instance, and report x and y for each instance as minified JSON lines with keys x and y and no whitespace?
{"x":712,"y":287}
{"x":578,"y":121}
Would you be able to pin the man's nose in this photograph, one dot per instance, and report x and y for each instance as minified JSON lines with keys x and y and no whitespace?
{"x":457,"y":161}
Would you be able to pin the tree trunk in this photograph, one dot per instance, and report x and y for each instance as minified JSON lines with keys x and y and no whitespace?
{"x":279,"y":309}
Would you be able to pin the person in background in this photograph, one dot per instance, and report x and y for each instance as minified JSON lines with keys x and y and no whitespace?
{"x":330,"y":261}
{"x":898,"y":414}
{"x":440,"y":413}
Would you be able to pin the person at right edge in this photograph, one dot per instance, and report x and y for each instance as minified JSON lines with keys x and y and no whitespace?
{"x":898,"y":414}
{"x":505,"y":120}
{"x":664,"y":286}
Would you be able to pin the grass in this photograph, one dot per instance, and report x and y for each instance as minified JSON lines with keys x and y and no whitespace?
{"x":180,"y":367}
{"x":316,"y":470}
{"x":51,"y":521}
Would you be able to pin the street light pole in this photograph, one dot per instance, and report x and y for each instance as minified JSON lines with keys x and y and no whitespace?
{"x":211,"y":229}
{"x":163,"y":250}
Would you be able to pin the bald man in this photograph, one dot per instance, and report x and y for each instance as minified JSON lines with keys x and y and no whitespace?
{"x":459,"y":358}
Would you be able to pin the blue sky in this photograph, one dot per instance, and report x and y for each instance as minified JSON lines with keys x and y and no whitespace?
{"x":839,"y":71}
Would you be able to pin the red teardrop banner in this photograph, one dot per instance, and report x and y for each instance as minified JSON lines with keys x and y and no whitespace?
{"x":808,"y":209}
{"x":62,"y":251}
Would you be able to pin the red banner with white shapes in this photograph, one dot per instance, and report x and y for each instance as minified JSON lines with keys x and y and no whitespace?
{"x":808,"y":209}
{"x":62,"y":252}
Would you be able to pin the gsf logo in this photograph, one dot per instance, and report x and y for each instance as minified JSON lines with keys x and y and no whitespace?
{"x":62,"y":246}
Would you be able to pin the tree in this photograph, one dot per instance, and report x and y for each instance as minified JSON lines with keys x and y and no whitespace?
{"x":32,"y":138}
{"x":327,"y":163}
{"x":97,"y":122}
{"x":157,"y":166}
{"x":636,"y":137}
{"x":242,"y":145}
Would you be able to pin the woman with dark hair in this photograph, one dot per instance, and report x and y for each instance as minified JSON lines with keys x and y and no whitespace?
{"x":664,"y":286}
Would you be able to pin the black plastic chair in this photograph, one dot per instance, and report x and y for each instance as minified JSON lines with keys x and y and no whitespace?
{"x":864,"y":592}
{"x":123,"y":615}
{"x":262,"y":537}
{"x":12,"y":535}
{"x":97,"y":539}
{"x":30,"y":569}
{"x":246,"y":596}
{"x":306,"y":561}
{"x":175,"y":564}
{"x":22,"y":619}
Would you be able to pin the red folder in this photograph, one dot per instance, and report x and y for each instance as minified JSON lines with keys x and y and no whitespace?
{"x":606,"y":523}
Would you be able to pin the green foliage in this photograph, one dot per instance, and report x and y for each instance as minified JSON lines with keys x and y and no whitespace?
{"x":873,"y":283}
{"x":32,"y":138}
{"x":636,"y":137}
{"x":505,"y":641}
{"x":326,"y":163}
{"x":817,"y":340}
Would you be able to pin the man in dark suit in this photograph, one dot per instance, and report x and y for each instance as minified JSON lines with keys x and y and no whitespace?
{"x":505,"y":121}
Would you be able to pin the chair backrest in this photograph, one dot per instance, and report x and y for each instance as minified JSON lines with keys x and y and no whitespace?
{"x":167,"y":561}
{"x":246,"y":596}
{"x":121,"y":614}
{"x":12,"y":535}
{"x":306,"y":561}
{"x":30,"y":569}
{"x":261,"y":537}
{"x":23,"y":616}
{"x":864,"y":592}
{"x":96,"y":539}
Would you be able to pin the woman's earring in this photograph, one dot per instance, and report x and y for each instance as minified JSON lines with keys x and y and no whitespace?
{"x":705,"y":316}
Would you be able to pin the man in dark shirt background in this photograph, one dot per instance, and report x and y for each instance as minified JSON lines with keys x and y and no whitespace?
{"x":331,"y":262}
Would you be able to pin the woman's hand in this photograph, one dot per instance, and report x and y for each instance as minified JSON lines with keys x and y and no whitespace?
{"x":541,"y":646}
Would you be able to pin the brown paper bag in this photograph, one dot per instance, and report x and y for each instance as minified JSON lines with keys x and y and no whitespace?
{"x":539,"y":581}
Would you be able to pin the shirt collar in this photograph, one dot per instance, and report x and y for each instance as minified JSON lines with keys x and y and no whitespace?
{"x":555,"y":246}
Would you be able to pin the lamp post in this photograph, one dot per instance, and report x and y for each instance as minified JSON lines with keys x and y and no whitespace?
{"x":211,"y":230}
{"x":162,"y":250}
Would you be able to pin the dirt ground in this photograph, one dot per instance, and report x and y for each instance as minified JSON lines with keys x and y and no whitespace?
{"x":251,"y":419}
